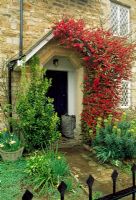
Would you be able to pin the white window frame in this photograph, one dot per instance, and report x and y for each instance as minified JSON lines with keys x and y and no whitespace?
{"x":119,"y":22}
{"x":129,"y":95}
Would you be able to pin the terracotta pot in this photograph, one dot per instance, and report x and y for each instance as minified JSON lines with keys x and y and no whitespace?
{"x":11,"y":156}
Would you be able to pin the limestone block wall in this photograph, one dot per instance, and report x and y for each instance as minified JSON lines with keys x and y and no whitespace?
{"x":39,"y":17}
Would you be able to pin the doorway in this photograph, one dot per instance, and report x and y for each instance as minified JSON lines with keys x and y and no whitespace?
{"x":68,"y":75}
{"x":59,"y":90}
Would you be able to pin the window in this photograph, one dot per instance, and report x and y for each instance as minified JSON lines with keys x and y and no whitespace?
{"x":125,"y":100}
{"x":119,"y":19}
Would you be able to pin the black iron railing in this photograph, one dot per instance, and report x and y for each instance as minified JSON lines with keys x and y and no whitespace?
{"x":130,"y":191}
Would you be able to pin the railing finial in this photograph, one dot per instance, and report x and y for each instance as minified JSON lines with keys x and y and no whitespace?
{"x":90,"y":182}
{"x":27,"y":195}
{"x":62,"y":188}
{"x":114,"y":177}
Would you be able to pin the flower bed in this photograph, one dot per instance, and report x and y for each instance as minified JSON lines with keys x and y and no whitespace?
{"x":115,"y":140}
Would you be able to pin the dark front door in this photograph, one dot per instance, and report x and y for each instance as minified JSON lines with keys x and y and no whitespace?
{"x":58,"y":90}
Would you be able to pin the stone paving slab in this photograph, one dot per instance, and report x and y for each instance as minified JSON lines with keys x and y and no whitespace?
{"x":82,"y":164}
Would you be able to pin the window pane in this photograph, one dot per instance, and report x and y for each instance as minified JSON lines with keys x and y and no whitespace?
{"x":124,"y":20}
{"x":114,"y":18}
{"x":119,"y":19}
{"x":125,"y":100}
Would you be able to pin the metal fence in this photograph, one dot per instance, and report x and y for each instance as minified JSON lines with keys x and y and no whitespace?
{"x":130,"y":191}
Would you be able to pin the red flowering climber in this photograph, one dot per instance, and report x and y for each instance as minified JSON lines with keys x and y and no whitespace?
{"x":107,"y":61}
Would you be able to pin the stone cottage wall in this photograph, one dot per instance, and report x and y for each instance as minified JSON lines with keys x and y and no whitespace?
{"x":39,"y":16}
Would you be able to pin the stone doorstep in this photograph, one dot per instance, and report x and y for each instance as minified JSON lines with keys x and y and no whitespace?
{"x":68,"y":142}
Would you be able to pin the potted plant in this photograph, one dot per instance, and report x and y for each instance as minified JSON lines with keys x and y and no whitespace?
{"x":10,"y":146}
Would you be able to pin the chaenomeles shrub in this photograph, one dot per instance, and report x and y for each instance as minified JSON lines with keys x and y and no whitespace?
{"x":47,"y":170}
{"x":36,"y":117}
{"x":115,"y":140}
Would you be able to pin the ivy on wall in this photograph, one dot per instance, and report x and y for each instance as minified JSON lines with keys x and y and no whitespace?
{"x":106,"y":60}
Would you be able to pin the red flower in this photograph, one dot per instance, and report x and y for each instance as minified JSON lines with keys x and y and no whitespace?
{"x":86,"y":58}
{"x":96,"y":82}
{"x":103,"y":54}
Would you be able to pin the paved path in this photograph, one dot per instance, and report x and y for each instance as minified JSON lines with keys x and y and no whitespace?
{"x":82,"y":164}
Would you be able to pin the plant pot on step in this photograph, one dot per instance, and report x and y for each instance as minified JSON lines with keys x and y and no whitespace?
{"x":11,"y":156}
{"x":68,"y":123}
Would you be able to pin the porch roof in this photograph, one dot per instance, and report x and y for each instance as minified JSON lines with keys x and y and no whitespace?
{"x":38,"y":45}
{"x":32,"y":51}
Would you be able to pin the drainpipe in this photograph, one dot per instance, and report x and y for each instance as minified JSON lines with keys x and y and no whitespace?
{"x":9,"y":96}
{"x":12,"y":63}
{"x":21,"y":30}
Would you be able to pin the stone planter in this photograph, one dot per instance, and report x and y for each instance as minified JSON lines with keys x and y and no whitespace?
{"x":11,"y":156}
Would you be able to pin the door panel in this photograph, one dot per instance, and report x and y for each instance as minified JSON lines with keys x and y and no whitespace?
{"x":58,"y":90}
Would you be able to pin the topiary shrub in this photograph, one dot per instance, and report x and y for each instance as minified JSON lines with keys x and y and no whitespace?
{"x":36,"y":118}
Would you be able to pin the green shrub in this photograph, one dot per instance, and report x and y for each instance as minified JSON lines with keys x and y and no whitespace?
{"x":47,"y":170}
{"x":115,"y":140}
{"x":37,"y":119}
